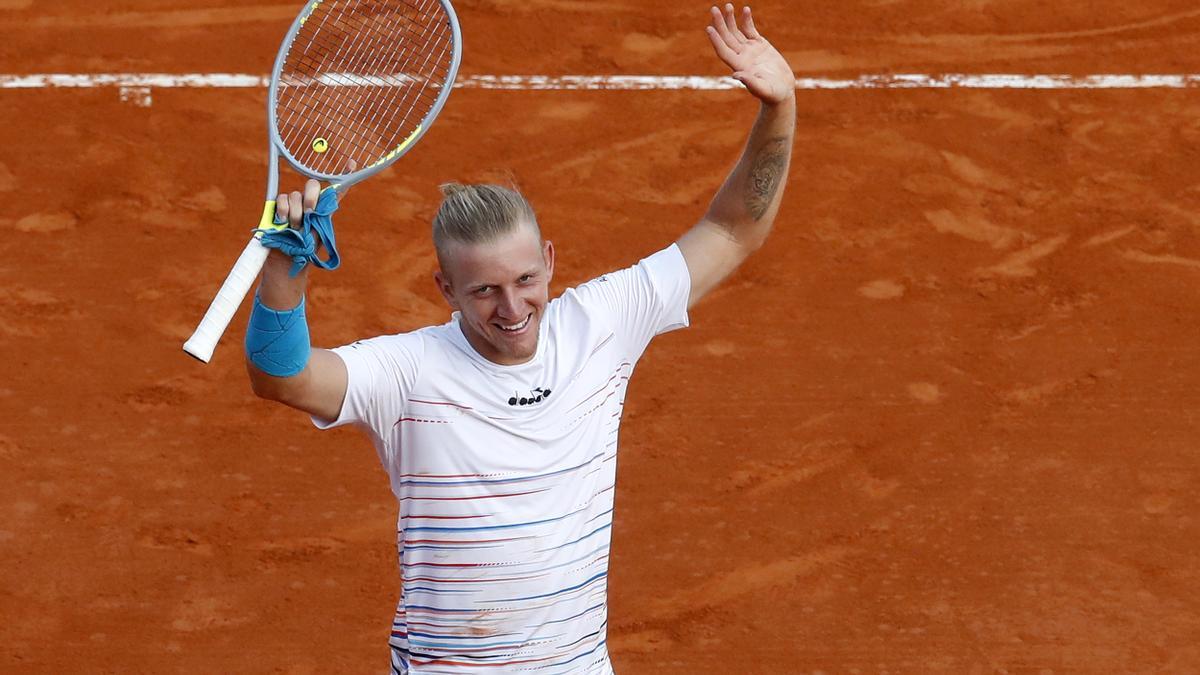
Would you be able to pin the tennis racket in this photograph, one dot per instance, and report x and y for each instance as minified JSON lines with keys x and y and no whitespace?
{"x":355,"y":85}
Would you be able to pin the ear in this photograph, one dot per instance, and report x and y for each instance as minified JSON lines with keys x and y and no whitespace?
{"x":447,"y":291}
{"x":548,"y":256}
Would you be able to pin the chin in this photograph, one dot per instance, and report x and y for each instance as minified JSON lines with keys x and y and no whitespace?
{"x":522,"y":352}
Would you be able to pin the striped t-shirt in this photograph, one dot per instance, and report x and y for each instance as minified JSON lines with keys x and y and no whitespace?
{"x":505,"y":474}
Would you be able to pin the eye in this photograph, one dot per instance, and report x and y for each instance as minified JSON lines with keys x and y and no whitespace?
{"x":483,"y":290}
{"x":525,"y":278}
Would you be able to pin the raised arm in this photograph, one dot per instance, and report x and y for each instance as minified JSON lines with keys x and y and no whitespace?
{"x":320,"y":386}
{"x":743,"y":211}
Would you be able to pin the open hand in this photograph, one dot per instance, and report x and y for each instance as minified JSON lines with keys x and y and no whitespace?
{"x":755,"y":62}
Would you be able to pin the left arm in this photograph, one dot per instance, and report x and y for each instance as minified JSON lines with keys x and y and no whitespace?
{"x":743,"y":211}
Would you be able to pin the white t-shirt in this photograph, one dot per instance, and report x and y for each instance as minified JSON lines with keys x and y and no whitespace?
{"x":505,"y":474}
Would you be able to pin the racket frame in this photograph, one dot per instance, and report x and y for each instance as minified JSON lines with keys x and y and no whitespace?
{"x":341,"y":182}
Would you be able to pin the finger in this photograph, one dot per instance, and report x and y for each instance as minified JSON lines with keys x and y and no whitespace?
{"x":281,"y":210}
{"x":748,"y":25}
{"x":312,"y":190}
{"x":722,"y":48}
{"x":731,"y":23}
{"x":295,"y":209}
{"x":722,"y":29}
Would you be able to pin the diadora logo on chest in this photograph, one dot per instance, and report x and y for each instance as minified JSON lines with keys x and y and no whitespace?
{"x":534,"y":397}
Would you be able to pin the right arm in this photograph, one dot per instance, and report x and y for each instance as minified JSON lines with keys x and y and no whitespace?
{"x":320,"y":388}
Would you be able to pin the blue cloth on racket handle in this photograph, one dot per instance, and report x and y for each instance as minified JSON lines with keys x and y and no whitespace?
{"x":300,"y":245}
{"x":277,"y":342}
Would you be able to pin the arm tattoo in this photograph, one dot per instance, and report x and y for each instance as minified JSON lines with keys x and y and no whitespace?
{"x":770,"y":165}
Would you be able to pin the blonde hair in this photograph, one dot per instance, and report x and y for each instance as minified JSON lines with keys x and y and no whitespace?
{"x":472,"y":214}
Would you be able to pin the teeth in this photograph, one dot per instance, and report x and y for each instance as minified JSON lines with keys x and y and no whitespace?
{"x":517,"y":326}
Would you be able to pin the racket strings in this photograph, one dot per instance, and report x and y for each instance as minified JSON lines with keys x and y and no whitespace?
{"x":364,"y":59}
{"x":384,"y":105}
{"x":361,"y":75}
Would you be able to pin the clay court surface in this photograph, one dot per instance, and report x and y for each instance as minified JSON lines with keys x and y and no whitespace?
{"x":946,"y":421}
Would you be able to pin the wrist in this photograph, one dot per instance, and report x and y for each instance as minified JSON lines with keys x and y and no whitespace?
{"x":279,"y":262}
{"x":279,"y":289}
{"x":787,"y":101}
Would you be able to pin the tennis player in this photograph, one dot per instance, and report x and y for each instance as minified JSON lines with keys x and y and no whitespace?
{"x":498,"y":429}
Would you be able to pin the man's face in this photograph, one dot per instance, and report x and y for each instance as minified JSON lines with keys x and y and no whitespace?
{"x":501,"y":288}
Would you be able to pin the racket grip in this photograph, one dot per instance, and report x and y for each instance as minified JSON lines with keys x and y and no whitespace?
{"x":229,"y":298}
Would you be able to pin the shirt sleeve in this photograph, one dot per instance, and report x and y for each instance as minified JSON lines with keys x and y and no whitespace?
{"x":645,"y":300}
{"x":380,"y":373}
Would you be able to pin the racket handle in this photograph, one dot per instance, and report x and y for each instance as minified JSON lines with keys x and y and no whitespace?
{"x":229,"y":298}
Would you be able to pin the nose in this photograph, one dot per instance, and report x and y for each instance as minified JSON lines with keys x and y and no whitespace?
{"x":510,"y":305}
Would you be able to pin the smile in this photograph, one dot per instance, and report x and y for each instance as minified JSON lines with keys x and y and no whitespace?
{"x":516,"y":327}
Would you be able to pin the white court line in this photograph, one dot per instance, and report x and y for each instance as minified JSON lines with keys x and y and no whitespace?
{"x":627,"y":82}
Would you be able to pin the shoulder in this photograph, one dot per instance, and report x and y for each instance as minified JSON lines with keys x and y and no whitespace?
{"x":400,"y":342}
{"x":402,"y":351}
{"x":662,"y":270}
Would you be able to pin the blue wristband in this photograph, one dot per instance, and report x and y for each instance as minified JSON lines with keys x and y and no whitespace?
{"x":277,"y":342}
